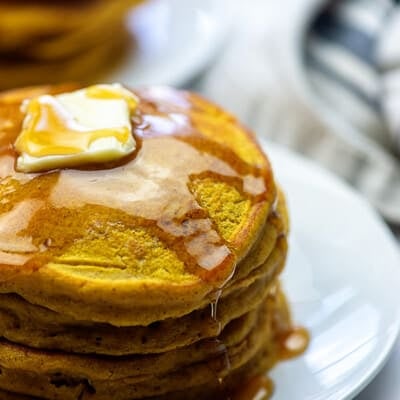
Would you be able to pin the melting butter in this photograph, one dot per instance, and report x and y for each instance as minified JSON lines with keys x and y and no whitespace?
{"x":87,"y":126}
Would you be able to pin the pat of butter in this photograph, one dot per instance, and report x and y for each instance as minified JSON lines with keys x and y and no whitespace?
{"x":88,"y":126}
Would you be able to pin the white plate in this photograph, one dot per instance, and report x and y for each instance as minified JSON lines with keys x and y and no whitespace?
{"x":172,"y":41}
{"x":343,"y":281}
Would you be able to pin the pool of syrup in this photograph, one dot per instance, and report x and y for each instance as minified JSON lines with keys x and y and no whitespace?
{"x":259,"y":387}
{"x":290,"y":344}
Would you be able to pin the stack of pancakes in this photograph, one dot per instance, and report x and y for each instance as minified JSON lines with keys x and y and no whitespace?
{"x":156,"y":278}
{"x":57,"y":40}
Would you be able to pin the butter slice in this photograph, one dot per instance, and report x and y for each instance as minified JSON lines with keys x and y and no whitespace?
{"x":87,"y":126}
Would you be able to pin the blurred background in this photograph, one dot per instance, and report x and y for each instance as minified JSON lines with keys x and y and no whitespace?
{"x":319,"y":76}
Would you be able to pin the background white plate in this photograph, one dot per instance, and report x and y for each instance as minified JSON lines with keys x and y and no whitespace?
{"x":343,"y":281}
{"x":175,"y":39}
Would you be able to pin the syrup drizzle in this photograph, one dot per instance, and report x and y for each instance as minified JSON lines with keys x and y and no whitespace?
{"x":215,"y":296}
{"x":225,"y":365}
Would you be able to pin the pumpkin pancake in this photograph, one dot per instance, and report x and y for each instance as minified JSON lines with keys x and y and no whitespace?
{"x":37,"y":326}
{"x":21,"y":365}
{"x":30,"y":326}
{"x":136,"y":368}
{"x":188,"y":208}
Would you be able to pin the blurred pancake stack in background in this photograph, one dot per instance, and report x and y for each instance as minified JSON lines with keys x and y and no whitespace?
{"x":60,"y":40}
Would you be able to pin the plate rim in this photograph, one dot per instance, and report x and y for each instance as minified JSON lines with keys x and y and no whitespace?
{"x":273,"y":151}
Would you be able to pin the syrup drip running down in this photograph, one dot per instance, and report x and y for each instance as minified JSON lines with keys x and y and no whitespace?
{"x":225,"y":366}
{"x":215,"y":296}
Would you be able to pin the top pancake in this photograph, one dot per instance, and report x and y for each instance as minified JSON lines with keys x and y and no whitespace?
{"x":161,"y":230}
